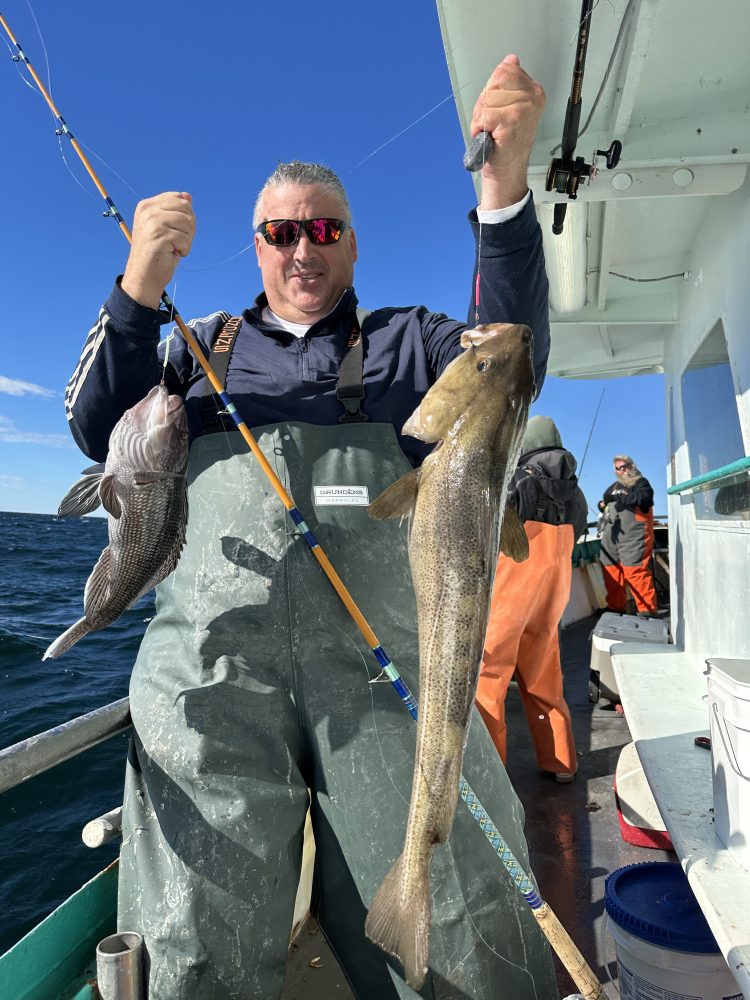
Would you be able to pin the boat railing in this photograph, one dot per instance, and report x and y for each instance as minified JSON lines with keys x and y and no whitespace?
{"x":726,"y":475}
{"x":37,"y":754}
{"x":40,"y":753}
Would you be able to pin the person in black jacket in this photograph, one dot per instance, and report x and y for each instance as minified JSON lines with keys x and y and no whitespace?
{"x":528,"y":600}
{"x":251,"y":698}
{"x":627,"y":533}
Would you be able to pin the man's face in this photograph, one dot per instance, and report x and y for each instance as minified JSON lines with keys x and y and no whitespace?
{"x":621,"y":469}
{"x":304,"y":282}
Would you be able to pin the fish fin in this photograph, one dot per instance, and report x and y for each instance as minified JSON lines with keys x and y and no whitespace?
{"x":398,"y":500}
{"x":109,"y":497}
{"x":69,"y":638}
{"x":98,"y":585}
{"x":83,"y":496}
{"x":401,"y":927}
{"x":428,"y":423}
{"x":514,"y":541}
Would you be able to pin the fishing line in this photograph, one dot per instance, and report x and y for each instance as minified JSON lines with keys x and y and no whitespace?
{"x":358,"y":165}
{"x":488,"y":946}
{"x":415,"y":122}
{"x":477,"y":283}
{"x":168,"y":339}
{"x":44,"y":47}
{"x":403,"y":130}
{"x":227,"y":260}
{"x":586,"y":449}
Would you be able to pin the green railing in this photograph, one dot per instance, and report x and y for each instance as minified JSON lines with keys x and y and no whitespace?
{"x":725,"y":475}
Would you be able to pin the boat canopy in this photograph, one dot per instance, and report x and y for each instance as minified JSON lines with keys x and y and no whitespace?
{"x":676,"y":96}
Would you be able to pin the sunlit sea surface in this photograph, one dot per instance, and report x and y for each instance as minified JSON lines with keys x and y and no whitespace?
{"x":44,"y":564}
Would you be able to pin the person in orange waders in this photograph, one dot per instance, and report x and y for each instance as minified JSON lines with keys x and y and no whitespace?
{"x":528,"y":600}
{"x":628,"y":538}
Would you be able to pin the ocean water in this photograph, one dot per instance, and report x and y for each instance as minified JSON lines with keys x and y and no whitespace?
{"x":44,"y":564}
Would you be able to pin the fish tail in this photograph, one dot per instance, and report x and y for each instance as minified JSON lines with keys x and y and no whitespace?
{"x":69,"y":638}
{"x":401,"y":926}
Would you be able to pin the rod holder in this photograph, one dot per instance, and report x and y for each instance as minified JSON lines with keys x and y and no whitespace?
{"x":104,"y":828}
{"x":119,"y":967}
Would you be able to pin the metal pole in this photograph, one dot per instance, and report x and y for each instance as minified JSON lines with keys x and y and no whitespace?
{"x":39,"y":753}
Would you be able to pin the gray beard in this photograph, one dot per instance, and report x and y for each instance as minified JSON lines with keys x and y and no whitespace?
{"x":629,"y":478}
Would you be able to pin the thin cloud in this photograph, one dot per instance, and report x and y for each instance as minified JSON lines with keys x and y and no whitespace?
{"x":12,"y":435}
{"x":12,"y":483}
{"x":15,"y":387}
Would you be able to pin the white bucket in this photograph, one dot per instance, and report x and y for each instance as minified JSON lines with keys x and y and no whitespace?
{"x":656,"y":923}
{"x":729,"y":717}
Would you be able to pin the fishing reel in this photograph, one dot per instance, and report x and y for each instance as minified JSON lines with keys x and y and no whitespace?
{"x":565,"y":174}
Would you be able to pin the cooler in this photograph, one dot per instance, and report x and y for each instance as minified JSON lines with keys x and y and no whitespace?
{"x":637,"y":812}
{"x":613,"y":628}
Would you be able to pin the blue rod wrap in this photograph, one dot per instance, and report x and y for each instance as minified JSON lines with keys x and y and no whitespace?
{"x":516,"y":872}
{"x":309,"y":537}
{"x":112,"y":207}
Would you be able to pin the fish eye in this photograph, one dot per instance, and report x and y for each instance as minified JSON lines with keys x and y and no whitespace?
{"x":483,"y":365}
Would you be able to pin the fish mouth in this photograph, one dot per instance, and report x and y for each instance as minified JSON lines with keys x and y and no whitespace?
{"x":161,"y":415}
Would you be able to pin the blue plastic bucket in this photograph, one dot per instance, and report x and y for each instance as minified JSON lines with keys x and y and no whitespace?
{"x":665,"y":948}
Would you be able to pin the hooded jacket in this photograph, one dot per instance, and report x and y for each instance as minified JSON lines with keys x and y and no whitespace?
{"x":545,"y":488}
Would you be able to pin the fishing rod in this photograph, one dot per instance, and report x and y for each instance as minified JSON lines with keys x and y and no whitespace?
{"x":593,"y":424}
{"x":556,"y":934}
{"x":565,"y":173}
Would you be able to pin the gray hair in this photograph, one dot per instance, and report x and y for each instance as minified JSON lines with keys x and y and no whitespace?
{"x":632,"y":473}
{"x":303,"y":173}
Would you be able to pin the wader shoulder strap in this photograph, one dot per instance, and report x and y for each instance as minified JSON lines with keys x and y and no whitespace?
{"x":221,"y":352}
{"x":350,"y":390}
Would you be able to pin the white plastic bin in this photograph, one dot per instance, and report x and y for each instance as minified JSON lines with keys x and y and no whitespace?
{"x":729,"y":716}
{"x":612,"y":628}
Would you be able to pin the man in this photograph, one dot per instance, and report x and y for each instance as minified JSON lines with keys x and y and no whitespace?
{"x":252,"y":684}
{"x":628,"y":538}
{"x":528,"y":600}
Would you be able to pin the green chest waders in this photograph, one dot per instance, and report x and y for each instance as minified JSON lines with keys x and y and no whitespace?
{"x":252,"y":685}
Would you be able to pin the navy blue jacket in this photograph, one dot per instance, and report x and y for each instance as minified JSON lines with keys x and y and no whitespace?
{"x":274,"y":376}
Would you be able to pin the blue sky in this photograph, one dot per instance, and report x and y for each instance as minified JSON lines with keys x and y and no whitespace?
{"x":181,"y":96}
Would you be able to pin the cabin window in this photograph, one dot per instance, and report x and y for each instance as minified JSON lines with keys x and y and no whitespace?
{"x":712,"y":428}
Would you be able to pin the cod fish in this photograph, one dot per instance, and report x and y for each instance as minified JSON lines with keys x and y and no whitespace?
{"x":476,"y":413}
{"x":142,"y":487}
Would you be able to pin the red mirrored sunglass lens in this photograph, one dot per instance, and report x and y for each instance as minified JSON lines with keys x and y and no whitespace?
{"x":323,"y":230}
{"x":281,"y":233}
{"x":285,"y":232}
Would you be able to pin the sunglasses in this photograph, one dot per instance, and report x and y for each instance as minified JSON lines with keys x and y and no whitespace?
{"x":621,"y":468}
{"x":285,"y":232}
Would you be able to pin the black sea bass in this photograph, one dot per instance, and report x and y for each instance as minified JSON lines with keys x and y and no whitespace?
{"x":476,"y":412}
{"x":142,"y":488}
